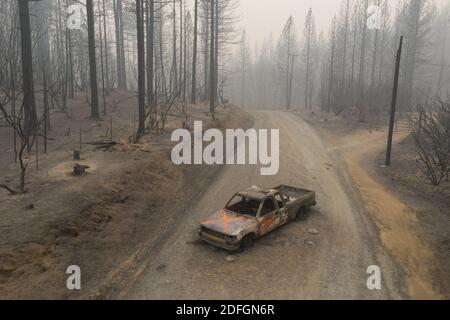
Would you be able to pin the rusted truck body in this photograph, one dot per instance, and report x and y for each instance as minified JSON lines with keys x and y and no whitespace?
{"x":253,"y":213}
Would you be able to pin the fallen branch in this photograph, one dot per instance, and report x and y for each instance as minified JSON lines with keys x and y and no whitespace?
{"x":103,"y":144}
{"x":11,"y":191}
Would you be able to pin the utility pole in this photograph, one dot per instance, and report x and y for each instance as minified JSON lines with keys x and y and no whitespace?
{"x":394,"y":104}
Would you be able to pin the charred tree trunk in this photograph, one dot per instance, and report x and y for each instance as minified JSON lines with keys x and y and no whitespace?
{"x":212,"y":63}
{"x":244,"y":40}
{"x":206,"y":52}
{"x":27,"y":69}
{"x":355,"y":28}
{"x":120,"y":50}
{"x":180,"y":79}
{"x":174,"y":81}
{"x":106,"y":47}
{"x":344,"y":55}
{"x":216,"y":51}
{"x":141,"y":67}
{"x":102,"y":69}
{"x":362,"y":61}
{"x":185,"y":56}
{"x":330,"y":86}
{"x":150,"y":51}
{"x":194,"y":56}
{"x":92,"y":62}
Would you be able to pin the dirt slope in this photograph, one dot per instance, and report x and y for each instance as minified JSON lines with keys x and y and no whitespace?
{"x":99,"y":221}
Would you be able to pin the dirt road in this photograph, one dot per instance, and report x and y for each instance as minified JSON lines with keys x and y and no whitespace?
{"x":289,"y":263}
{"x":399,"y":224}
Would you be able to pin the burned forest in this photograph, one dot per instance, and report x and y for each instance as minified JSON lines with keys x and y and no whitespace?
{"x":189,"y":149}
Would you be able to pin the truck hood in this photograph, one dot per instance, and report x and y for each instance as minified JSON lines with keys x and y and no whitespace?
{"x":228,"y":223}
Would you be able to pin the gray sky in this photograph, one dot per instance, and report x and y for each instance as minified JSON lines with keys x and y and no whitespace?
{"x":261,"y":17}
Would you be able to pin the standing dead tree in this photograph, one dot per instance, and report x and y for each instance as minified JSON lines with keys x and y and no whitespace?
{"x":27,"y":68}
{"x":212,"y":65}
{"x":362,"y":66}
{"x":150,"y":20}
{"x":92,"y":62}
{"x":332,"y":58}
{"x":120,"y":46}
{"x":309,"y":46}
{"x":194,"y":56}
{"x":16,"y":122}
{"x":286,"y":51}
{"x":244,"y":54}
{"x":141,"y":66}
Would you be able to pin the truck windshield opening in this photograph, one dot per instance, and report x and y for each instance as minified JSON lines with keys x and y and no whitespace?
{"x":244,"y":206}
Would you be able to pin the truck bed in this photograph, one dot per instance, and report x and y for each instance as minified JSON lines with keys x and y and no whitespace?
{"x":293,"y":192}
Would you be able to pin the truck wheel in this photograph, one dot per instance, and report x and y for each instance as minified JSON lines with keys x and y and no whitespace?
{"x":300,"y":213}
{"x":247,"y":242}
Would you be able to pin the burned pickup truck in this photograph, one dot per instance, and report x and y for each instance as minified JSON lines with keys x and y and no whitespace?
{"x":253,"y":213}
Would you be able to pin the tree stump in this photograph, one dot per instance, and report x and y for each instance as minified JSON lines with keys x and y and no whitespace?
{"x":79,"y":170}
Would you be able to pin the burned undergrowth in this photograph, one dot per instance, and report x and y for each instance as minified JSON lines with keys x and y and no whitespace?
{"x":98,"y":220}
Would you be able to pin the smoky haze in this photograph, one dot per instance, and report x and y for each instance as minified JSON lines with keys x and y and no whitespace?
{"x":261,"y":18}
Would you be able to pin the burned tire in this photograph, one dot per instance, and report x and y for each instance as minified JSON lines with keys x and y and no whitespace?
{"x":247,"y":242}
{"x":300,"y":213}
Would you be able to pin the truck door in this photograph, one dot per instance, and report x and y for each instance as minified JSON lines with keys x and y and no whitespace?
{"x":269,"y":216}
{"x":281,"y":203}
